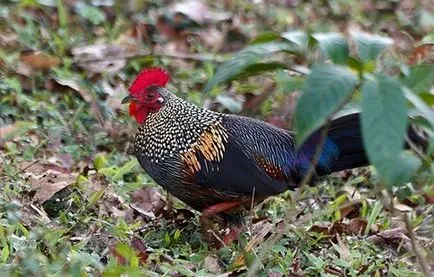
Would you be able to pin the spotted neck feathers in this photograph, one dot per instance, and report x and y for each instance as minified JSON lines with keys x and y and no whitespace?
{"x":176,"y":128}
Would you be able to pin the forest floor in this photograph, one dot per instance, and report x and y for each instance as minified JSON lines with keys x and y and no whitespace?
{"x":75,"y":202}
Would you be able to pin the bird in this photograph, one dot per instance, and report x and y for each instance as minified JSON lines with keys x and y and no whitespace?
{"x":219,"y":164}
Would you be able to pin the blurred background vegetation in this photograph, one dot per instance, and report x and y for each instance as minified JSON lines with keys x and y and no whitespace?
{"x":74,"y":202}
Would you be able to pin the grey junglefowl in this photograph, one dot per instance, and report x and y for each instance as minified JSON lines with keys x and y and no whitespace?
{"x":219,"y":164}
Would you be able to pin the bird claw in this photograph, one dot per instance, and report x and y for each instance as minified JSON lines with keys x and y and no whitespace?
{"x":208,"y":219}
{"x":233,"y":234}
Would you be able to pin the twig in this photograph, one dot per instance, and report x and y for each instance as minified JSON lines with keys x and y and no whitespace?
{"x":137,"y":54}
{"x":417,"y":250}
{"x":217,"y":237}
{"x":415,"y":148}
{"x":24,"y":168}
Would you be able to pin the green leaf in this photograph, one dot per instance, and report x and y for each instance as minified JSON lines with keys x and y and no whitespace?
{"x":373,"y":216}
{"x":100,"y":161}
{"x":230,"y":103}
{"x":245,"y":58}
{"x":424,"y":110}
{"x":384,"y":123}
{"x":370,"y":46}
{"x":128,"y":167}
{"x":93,"y":14}
{"x":334,"y":45}
{"x":421,"y":78}
{"x":324,"y":91}
{"x":4,"y":254}
{"x":266,"y":37}
{"x":287,"y":83}
{"x":404,"y":167}
{"x":258,"y":68}
{"x":299,"y":38}
{"x":95,"y":197}
{"x":355,"y":64}
{"x":62,"y":14}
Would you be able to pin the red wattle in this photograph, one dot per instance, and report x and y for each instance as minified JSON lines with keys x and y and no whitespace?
{"x":139,"y":112}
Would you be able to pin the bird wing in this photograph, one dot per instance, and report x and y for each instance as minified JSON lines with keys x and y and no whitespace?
{"x":250,"y":157}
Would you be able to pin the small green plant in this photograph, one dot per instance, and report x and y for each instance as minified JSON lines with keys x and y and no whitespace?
{"x":386,"y":97}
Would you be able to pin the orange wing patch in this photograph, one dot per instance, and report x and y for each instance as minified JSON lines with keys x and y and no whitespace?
{"x":211,"y":145}
{"x":272,"y":170}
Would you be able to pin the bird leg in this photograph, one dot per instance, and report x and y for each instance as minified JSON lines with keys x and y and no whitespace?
{"x":207,"y":219}
{"x":234,"y":233}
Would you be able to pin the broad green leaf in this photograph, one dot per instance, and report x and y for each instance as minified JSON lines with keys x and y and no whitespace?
{"x":266,"y":37}
{"x":324,"y":91}
{"x":424,"y":110}
{"x":233,"y":105}
{"x":245,"y":58}
{"x":355,"y":64}
{"x":370,"y":46}
{"x":404,"y":167}
{"x":287,"y":83}
{"x":258,"y":68}
{"x":334,"y":45}
{"x":299,"y":38}
{"x":420,"y":78}
{"x":428,"y":98}
{"x":384,"y":123}
{"x":93,"y":14}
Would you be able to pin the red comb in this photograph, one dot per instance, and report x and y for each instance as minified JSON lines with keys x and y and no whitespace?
{"x":154,"y":76}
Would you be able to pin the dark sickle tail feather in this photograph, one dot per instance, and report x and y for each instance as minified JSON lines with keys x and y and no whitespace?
{"x":345,"y":132}
{"x":344,"y":149}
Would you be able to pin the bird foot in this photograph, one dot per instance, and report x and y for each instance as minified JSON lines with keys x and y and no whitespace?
{"x":208,"y":220}
{"x":233,"y":234}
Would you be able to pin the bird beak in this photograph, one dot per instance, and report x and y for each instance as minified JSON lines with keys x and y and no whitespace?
{"x":127,"y":99}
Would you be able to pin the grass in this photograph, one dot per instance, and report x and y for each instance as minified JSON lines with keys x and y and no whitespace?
{"x":74,"y":201}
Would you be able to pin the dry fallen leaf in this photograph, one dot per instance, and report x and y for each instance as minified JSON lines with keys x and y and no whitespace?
{"x":390,"y":236}
{"x":198,"y":11}
{"x":39,"y":61}
{"x":147,"y":202}
{"x":9,"y":39}
{"x":354,"y":227}
{"x":141,"y":249}
{"x":12,"y":131}
{"x":400,"y":207}
{"x":322,"y":228}
{"x":211,"y":264}
{"x":115,"y":95}
{"x":420,"y":53}
{"x":99,"y":58}
{"x":7,"y":132}
{"x":275,"y":274}
{"x":47,"y":179}
{"x":73,"y":84}
{"x":344,"y":252}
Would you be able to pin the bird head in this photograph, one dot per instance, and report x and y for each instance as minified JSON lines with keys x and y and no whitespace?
{"x":146,"y":95}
